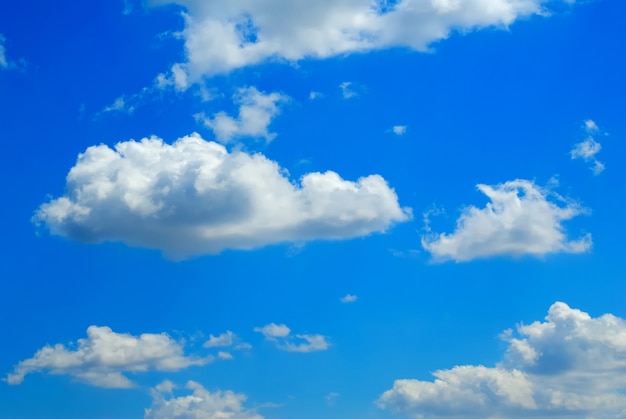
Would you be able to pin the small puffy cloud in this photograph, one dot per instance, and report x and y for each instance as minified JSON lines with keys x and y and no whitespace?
{"x":315,"y":95}
{"x":348,"y":298}
{"x":273,"y":330}
{"x":256,"y":112}
{"x":521,"y":219}
{"x":347,"y":90}
{"x":224,"y":355}
{"x":569,"y":366}
{"x":194,"y":197}
{"x":587,"y":149}
{"x":281,"y":336}
{"x":222,"y":36}
{"x":226,"y":339}
{"x":399,"y":129}
{"x":200,"y":404}
{"x":102,"y":357}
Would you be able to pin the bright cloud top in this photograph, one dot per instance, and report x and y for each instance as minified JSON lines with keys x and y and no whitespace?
{"x":102,"y":357}
{"x":399,"y":129}
{"x":570,"y":366}
{"x":201,"y":403}
{"x":281,"y":336}
{"x":348,"y":298}
{"x":221,"y":36}
{"x":256,"y":112}
{"x":521,"y":219}
{"x":194,"y":197}
{"x":587,"y":149}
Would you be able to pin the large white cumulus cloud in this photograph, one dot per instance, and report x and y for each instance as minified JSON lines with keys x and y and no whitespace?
{"x":569,"y":366}
{"x":221,"y":36}
{"x":521,"y":219}
{"x":102,"y":357}
{"x":195,"y":197}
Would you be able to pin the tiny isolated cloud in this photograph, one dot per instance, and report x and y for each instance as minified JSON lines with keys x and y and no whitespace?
{"x":281,"y":336}
{"x":348,"y":90}
{"x":220,"y":37}
{"x":348,"y":298}
{"x":587,"y":149}
{"x":315,"y":95}
{"x":194,"y":197}
{"x":571,"y":365}
{"x":257,"y":110}
{"x":103,"y":356}
{"x":399,"y":129}
{"x":197,"y":403}
{"x":521,"y":218}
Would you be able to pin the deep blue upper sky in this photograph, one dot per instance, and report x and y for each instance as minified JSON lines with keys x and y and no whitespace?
{"x":327,"y":213}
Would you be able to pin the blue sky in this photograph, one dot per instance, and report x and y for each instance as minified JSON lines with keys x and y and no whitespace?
{"x":332,"y":209}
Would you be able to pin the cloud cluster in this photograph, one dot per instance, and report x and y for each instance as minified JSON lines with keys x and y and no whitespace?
{"x":587,"y":149}
{"x":521,"y":219}
{"x":195,"y":197}
{"x":569,"y":366}
{"x":256,"y":112}
{"x":102,"y":357}
{"x":200,"y":404}
{"x":281,"y":336}
{"x":222,"y":36}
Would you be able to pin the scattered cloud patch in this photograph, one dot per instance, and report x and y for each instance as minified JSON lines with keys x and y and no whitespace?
{"x":569,"y":366}
{"x":587,"y":149}
{"x":256,"y":112}
{"x":102,"y":357}
{"x":201,"y":403}
{"x":347,"y":90}
{"x":194,"y":197}
{"x":4,"y":62}
{"x":220,"y":37}
{"x":224,"y":355}
{"x":520,"y":219}
{"x":226,"y":339}
{"x":399,"y":129}
{"x":315,"y":95}
{"x":348,"y":298}
{"x":331,"y":398}
{"x":281,"y":336}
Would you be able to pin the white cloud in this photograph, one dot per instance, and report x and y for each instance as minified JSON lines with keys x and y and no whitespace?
{"x":331,"y":398}
{"x":226,"y":339}
{"x":221,"y":36}
{"x":280,"y":334}
{"x":315,"y":95}
{"x":570,"y":366}
{"x":521,"y":219}
{"x":102,"y":357}
{"x":256,"y":112}
{"x":194,"y":197}
{"x":273,"y":330}
{"x":399,"y":129}
{"x":200,"y":404}
{"x":587,"y":149}
{"x":4,"y":62}
{"x":347,"y":90}
{"x":348,"y":298}
{"x":224,"y":355}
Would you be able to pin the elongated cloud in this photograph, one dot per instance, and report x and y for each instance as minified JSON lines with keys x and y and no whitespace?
{"x":281,"y":336}
{"x":201,"y":403}
{"x":103,"y":357}
{"x":222,"y":36}
{"x":521,"y":219}
{"x":194,"y":197}
{"x":569,"y":366}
